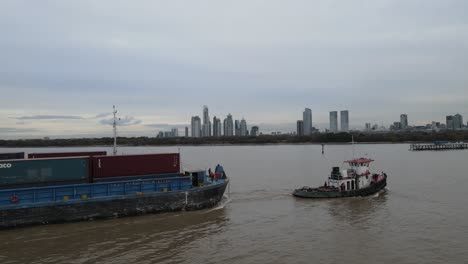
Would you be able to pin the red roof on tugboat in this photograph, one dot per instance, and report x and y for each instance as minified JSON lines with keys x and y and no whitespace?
{"x":359,"y":161}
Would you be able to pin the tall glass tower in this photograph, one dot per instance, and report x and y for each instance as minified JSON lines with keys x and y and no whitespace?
{"x":307,"y":118}
{"x":344,"y":115}
{"x":333,"y":121}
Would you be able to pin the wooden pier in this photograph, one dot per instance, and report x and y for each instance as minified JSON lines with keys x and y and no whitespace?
{"x":444,"y":146}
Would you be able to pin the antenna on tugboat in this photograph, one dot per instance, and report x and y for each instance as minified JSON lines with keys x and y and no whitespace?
{"x":114,"y":124}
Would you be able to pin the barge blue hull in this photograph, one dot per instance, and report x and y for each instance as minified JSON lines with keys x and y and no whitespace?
{"x":112,"y":206}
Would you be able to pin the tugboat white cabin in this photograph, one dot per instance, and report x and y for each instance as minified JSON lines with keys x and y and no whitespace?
{"x":356,"y":177}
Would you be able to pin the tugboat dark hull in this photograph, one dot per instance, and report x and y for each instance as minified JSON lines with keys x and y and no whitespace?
{"x":316,"y":193}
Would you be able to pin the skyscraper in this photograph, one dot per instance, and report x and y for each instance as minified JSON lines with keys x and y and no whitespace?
{"x":219,"y":128}
{"x":228,"y":126}
{"x":236,"y":128}
{"x":457,"y":121}
{"x":243,"y":128}
{"x":300,"y":128}
{"x":186,"y":131}
{"x":368,"y":127}
{"x":254,"y":131}
{"x":206,"y":128}
{"x":344,"y":117}
{"x":196,"y":126}
{"x":404,"y":121}
{"x":307,"y":118}
{"x":449,"y":122}
{"x":216,"y":127}
{"x":333,"y":121}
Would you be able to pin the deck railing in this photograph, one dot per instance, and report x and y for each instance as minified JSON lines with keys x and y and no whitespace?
{"x":77,"y":192}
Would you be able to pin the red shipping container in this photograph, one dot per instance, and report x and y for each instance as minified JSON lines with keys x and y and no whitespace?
{"x":133,"y":165}
{"x":65,"y":154}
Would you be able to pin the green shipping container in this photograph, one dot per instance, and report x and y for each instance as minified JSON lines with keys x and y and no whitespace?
{"x":43,"y":171}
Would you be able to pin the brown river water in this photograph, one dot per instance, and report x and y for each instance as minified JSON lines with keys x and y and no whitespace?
{"x":422,"y":217}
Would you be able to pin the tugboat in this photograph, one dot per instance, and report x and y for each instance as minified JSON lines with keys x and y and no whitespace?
{"x":352,"y":182}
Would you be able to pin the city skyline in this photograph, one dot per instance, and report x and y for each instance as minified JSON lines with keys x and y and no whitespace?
{"x":154,"y":61}
{"x":228,"y":127}
{"x":453,"y":122}
{"x":287,"y":127}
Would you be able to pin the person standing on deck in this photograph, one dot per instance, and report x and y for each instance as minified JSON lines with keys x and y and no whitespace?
{"x":210,"y":175}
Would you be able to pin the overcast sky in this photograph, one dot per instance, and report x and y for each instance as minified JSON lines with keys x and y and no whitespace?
{"x":63,"y":64}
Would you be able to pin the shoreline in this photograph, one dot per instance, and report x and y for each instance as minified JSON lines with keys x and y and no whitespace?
{"x":226,"y":144}
{"x":314,"y":139}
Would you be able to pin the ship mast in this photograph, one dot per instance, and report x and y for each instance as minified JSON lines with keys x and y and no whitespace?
{"x":114,"y":124}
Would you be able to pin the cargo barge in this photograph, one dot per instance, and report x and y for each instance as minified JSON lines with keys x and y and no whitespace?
{"x":55,"y":190}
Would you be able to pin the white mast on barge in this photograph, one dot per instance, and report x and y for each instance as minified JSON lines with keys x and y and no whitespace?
{"x":114,"y":124}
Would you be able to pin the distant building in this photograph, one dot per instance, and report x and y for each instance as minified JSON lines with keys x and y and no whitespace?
{"x":167,"y":134}
{"x":254,"y":131}
{"x":206,"y":116}
{"x":206,"y":127}
{"x":216,"y":127}
{"x":404,"y":121}
{"x":186,"y":131}
{"x":449,"y":122}
{"x":457,"y":121}
{"x":243,"y":128}
{"x":333,"y":121}
{"x":344,"y":118}
{"x":368,"y":127}
{"x":228,"y":126}
{"x":237,"y":128}
{"x":396,"y":126}
{"x":300,"y":128}
{"x":196,"y":126}
{"x":307,"y":119}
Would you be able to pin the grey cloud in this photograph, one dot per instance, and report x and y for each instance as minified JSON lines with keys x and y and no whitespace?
{"x":102,"y":115}
{"x":327,"y":55}
{"x":124,"y":121}
{"x":17,"y":130}
{"x":45,"y":117}
{"x":165,"y":125}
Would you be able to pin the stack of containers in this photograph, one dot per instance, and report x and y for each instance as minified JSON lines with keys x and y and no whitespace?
{"x":43,"y":172}
{"x":64,"y":168}
{"x":9,"y":156}
{"x":108,"y":168}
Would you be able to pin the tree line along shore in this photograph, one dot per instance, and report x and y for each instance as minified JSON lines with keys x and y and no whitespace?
{"x":317,"y":138}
